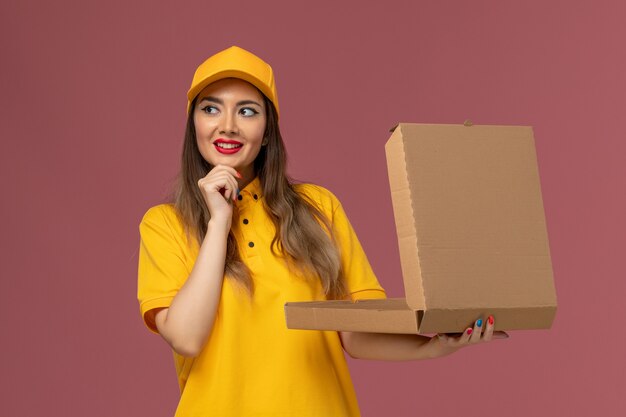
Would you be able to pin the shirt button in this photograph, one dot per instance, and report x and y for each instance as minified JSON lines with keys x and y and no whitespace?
{"x":245,"y":221}
{"x":239,"y":197}
{"x":251,"y":244}
{"x":256,"y":197}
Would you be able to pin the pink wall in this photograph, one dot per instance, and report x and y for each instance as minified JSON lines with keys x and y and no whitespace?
{"x":93,"y":103}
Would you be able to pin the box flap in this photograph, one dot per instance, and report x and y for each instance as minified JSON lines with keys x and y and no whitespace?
{"x":507,"y":318}
{"x":391,"y":315}
{"x":469,"y":216}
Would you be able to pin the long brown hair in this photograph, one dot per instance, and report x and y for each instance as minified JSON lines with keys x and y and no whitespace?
{"x":303,"y":238}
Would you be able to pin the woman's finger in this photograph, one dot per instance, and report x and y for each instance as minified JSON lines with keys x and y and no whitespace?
{"x":477,"y":331}
{"x":213,"y":183}
{"x":488,"y":329}
{"x":232,"y":171}
{"x":465,"y":337}
{"x":235,"y":186}
{"x":232,"y":186}
{"x":228,"y":186}
{"x":222,"y":179}
{"x":221,"y":171}
{"x":228,"y":192}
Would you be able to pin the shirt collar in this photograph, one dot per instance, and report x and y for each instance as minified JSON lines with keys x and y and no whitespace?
{"x":252,"y":190}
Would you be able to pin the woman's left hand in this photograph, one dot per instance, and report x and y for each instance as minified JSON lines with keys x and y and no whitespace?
{"x":405,"y":347}
{"x":481,"y":332}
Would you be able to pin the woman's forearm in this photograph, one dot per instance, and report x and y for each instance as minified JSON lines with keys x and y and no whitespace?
{"x":191,"y":315}
{"x":393,"y":347}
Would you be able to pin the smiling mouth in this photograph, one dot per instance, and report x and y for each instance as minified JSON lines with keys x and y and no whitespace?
{"x":228,"y":145}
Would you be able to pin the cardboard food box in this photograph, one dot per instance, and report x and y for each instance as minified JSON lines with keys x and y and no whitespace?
{"x":471,"y":232}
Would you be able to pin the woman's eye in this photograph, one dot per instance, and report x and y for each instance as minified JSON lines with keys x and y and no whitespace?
{"x":209,"y":109}
{"x":247,"y":111}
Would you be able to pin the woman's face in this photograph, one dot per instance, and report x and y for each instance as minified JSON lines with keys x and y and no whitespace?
{"x":230,"y":119}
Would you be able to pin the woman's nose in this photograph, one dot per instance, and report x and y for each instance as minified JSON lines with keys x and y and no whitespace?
{"x":228,"y":124}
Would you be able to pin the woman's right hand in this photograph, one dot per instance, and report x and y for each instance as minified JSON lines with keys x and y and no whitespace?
{"x":219,"y":188}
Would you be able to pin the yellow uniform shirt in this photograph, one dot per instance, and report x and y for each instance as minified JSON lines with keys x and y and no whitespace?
{"x":252,"y":365}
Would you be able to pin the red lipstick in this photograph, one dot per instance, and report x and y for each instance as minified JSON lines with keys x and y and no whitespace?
{"x":232,"y":146}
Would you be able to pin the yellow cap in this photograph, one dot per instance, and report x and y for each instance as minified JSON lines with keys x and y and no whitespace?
{"x":234,"y":62}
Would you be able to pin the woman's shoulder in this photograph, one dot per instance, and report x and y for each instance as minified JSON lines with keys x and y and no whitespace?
{"x":164,"y":215}
{"x":159,"y":211}
{"x":321,"y":196}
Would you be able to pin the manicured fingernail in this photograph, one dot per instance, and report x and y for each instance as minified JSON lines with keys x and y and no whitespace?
{"x":238,"y":174}
{"x":479,"y":322}
{"x":469,"y":331}
{"x":490,"y":319}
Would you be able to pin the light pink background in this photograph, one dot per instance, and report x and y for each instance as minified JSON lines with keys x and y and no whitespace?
{"x":93,"y":104}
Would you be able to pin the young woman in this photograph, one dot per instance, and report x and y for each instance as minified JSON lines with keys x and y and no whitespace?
{"x":237,"y":240}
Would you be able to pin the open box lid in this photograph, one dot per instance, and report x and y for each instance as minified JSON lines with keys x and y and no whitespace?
{"x":469,"y":217}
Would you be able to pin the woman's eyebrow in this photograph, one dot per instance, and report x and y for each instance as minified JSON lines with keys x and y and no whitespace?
{"x":243,"y":102}
{"x":211,"y":98}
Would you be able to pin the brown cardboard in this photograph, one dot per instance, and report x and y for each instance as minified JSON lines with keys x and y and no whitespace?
{"x":471,"y":234}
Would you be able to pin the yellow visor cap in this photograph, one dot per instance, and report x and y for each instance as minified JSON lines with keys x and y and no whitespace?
{"x":234,"y":62}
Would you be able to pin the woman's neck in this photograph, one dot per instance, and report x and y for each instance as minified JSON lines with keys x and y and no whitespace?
{"x":248,"y":177}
